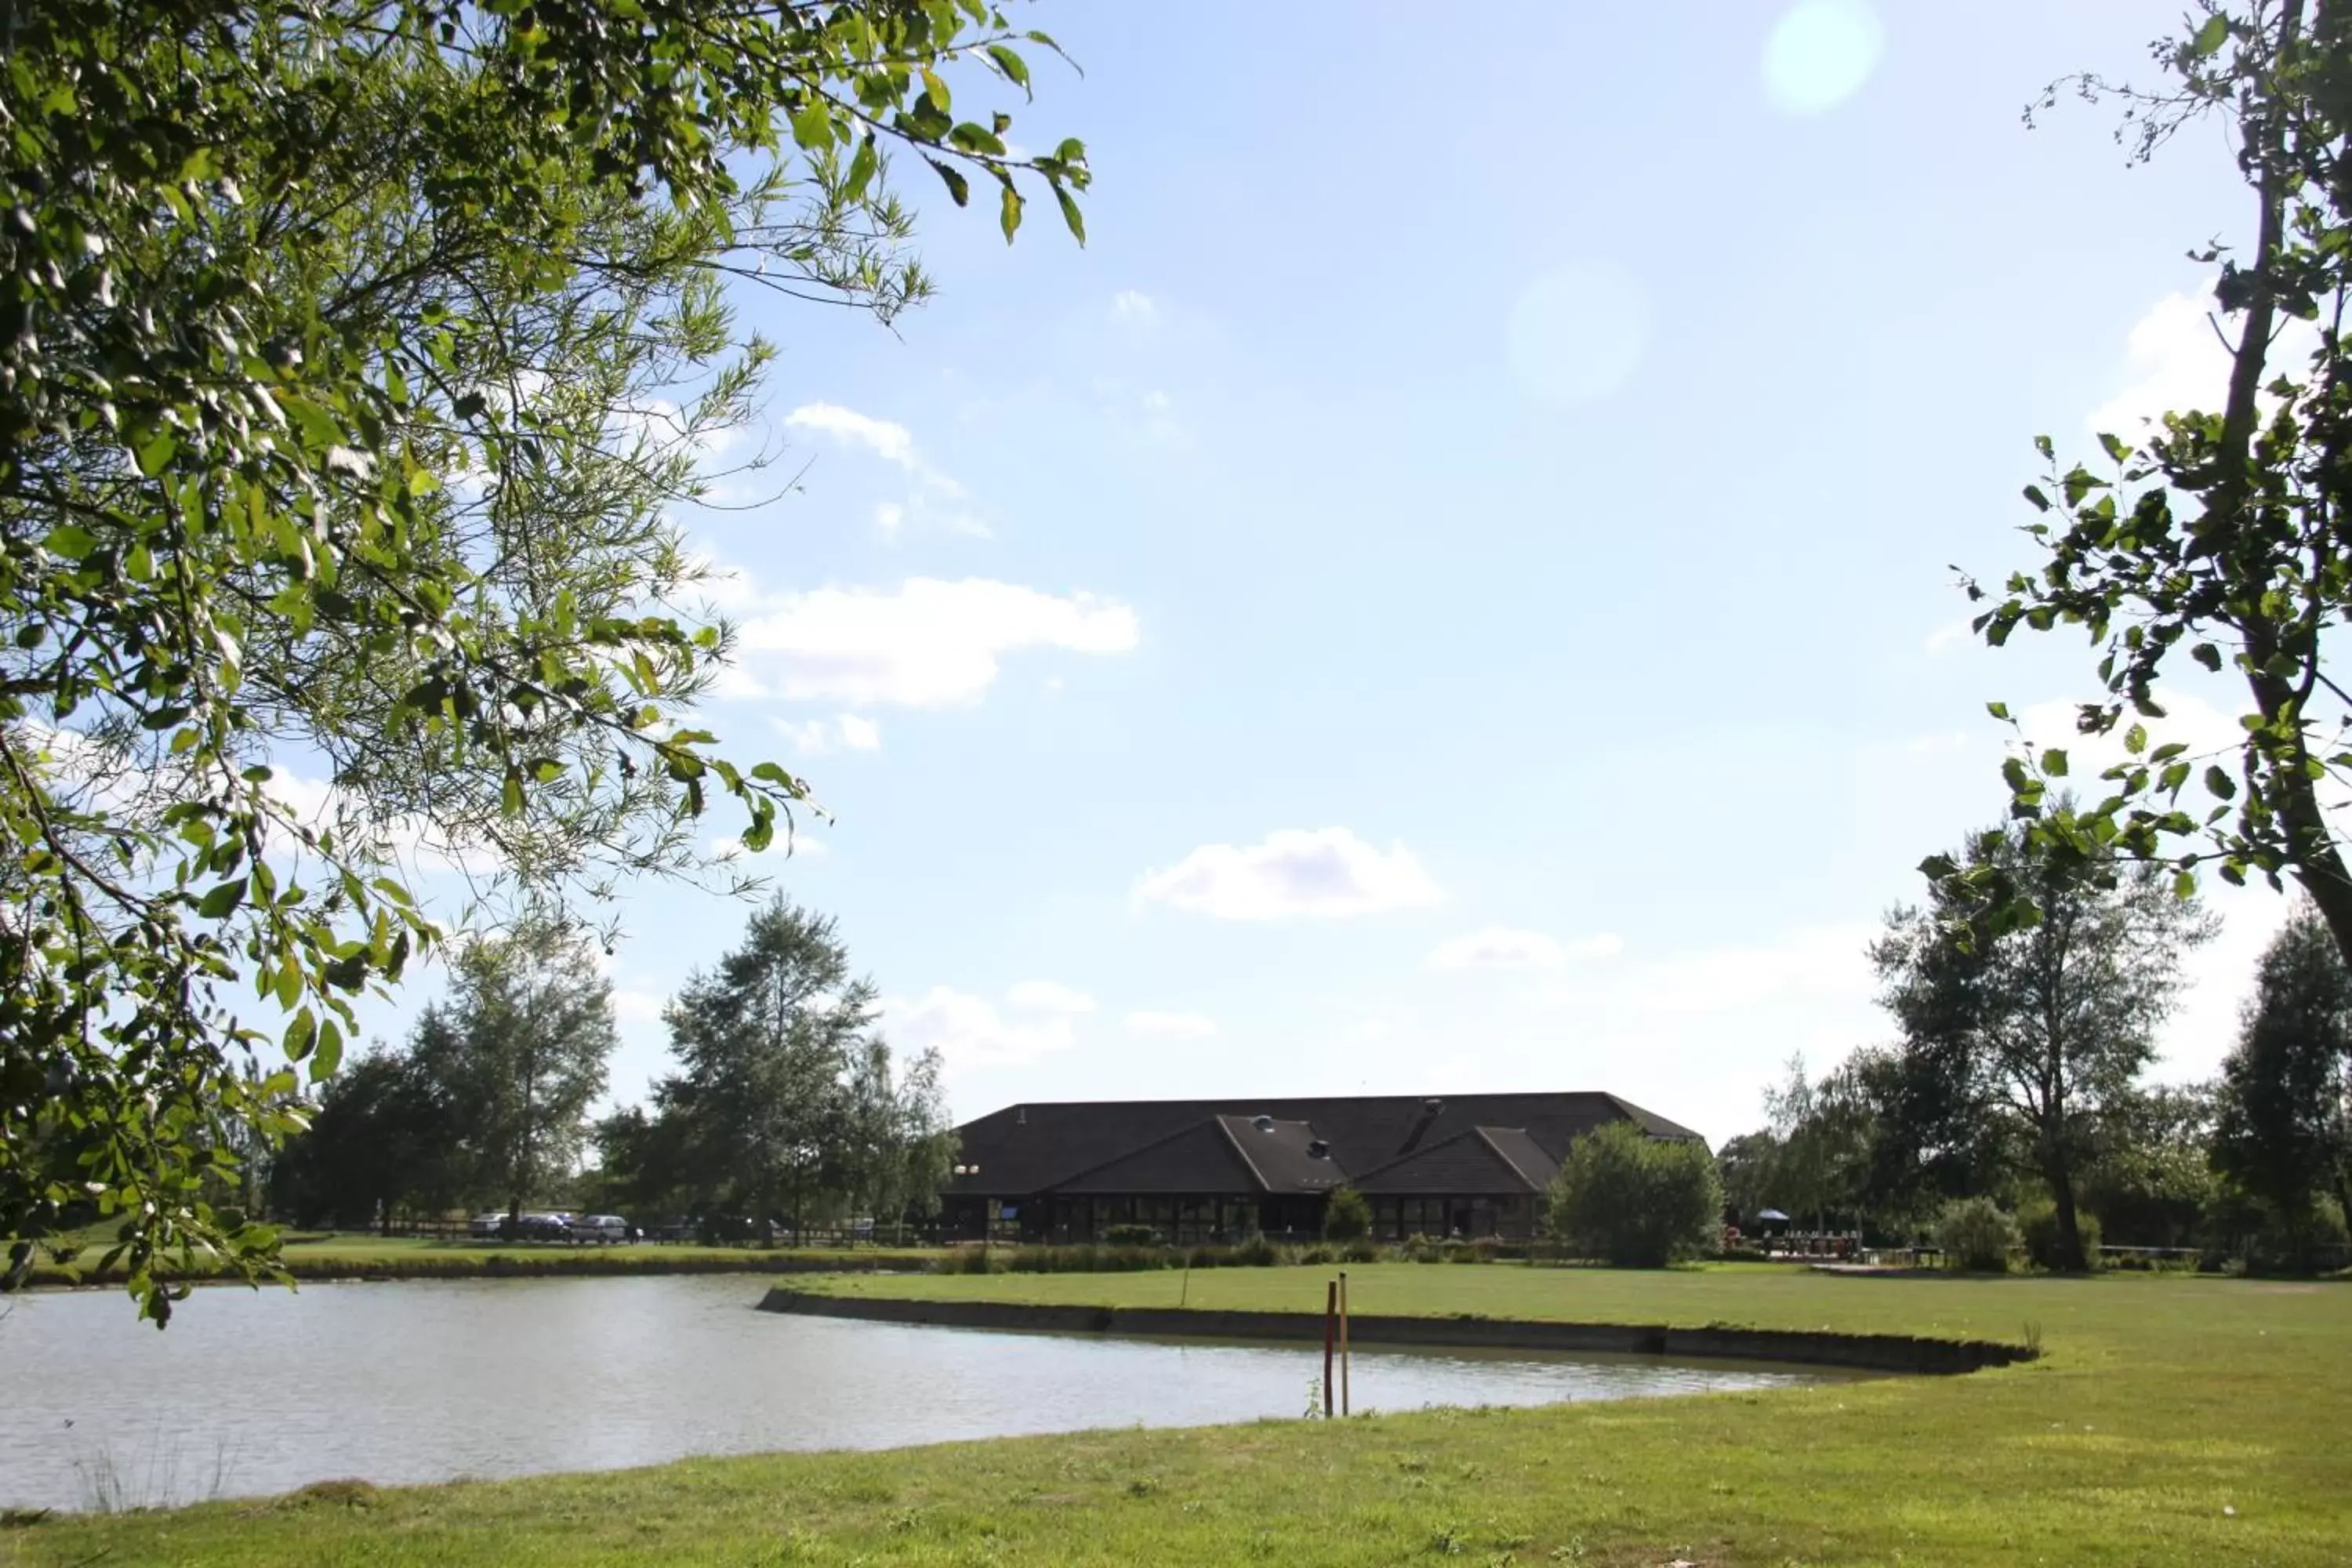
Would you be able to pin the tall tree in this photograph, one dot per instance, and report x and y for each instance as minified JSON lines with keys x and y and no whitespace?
{"x":767,"y":1044}
{"x":519,"y":1047}
{"x":2284,"y":1129}
{"x":901,"y":1143}
{"x":386,"y":1137}
{"x":352,"y":353}
{"x":2218,"y":535}
{"x":2053,"y":1022}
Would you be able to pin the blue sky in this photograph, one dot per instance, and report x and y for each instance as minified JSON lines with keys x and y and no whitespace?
{"x":1450,"y":588}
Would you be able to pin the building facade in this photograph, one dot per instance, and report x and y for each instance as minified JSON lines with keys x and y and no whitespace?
{"x":1204,"y":1170}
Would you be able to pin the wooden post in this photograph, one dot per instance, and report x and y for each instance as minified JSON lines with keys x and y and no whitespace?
{"x":1330,"y":1321}
{"x":1345,"y":1406}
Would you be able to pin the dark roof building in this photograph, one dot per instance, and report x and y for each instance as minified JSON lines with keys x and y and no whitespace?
{"x":1473,"y":1165}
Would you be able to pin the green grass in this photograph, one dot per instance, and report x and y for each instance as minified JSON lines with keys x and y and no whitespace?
{"x":2171,"y":1420}
{"x":343,"y":1255}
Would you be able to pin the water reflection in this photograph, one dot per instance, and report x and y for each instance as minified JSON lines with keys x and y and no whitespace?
{"x":428,"y":1381}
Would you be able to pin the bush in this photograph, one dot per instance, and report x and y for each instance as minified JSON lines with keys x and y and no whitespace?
{"x":1636,"y":1201}
{"x":1347,"y":1217}
{"x":1975,"y":1236}
{"x":2039,"y":1226}
{"x":1319,"y":1253}
{"x":1360,"y":1252}
{"x":1131,"y":1235}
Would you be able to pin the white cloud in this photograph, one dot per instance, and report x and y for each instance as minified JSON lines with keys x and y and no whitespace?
{"x":842,"y":732}
{"x":968,"y":1031}
{"x":1134,"y":305}
{"x":1047,"y":996}
{"x":1153,"y":1025}
{"x":890,"y":442}
{"x":927,"y":644}
{"x":1292,"y":873}
{"x":937,"y":500}
{"x":2175,"y":361}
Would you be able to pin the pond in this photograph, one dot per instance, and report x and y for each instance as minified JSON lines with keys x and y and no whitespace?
{"x":250,"y":1394}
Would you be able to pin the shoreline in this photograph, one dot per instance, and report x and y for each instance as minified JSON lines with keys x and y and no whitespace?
{"x":581,"y":1264}
{"x":1860,"y":1351}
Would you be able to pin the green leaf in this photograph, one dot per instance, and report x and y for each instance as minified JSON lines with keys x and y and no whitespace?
{"x":511,"y":799}
{"x":1009,"y":215}
{"x":1071,"y":216}
{"x":863,"y":164}
{"x":1009,"y":61}
{"x":1997,"y":710}
{"x":222,"y":899}
{"x":331,"y":1050}
{"x":2220,"y":784}
{"x":952,"y":177}
{"x":2053,"y":763}
{"x":2136,"y":739}
{"x":71,"y":541}
{"x":2211,"y":37}
{"x":154,"y":449}
{"x":812,"y":124}
{"x":2036,"y":494}
{"x":300,"y":1035}
{"x":2206,"y":654}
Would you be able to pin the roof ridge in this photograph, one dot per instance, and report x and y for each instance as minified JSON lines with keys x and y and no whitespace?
{"x":1412,"y":1154}
{"x":1125,"y":1154}
{"x":1486,"y":1136}
{"x":1224,"y":1118}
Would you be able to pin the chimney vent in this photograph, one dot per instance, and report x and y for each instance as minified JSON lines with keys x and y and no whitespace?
{"x":1262,"y":1123}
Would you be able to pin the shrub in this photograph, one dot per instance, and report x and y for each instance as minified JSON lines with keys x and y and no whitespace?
{"x":1975,"y":1236}
{"x":1360,"y":1252}
{"x":2039,"y":1226}
{"x":1420,"y":1249}
{"x":1256,"y":1252}
{"x":1131,"y":1235}
{"x":1636,"y":1201}
{"x":1347,"y":1217}
{"x":1319,"y":1253}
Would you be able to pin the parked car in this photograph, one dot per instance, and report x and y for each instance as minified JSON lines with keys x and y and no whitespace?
{"x":487,"y":1226}
{"x":606,"y":1228}
{"x":543,"y":1228}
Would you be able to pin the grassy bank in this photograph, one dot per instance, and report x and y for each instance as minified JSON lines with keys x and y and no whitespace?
{"x":356,"y":1255}
{"x":2171,"y":1420}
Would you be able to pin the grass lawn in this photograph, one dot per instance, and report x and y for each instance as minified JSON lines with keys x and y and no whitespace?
{"x":2171,"y":1420}
{"x":346,"y":1253}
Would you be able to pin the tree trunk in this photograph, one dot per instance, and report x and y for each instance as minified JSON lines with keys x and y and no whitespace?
{"x":2070,"y":1226}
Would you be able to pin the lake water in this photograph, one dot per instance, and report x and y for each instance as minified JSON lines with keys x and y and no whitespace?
{"x":251,"y":1393}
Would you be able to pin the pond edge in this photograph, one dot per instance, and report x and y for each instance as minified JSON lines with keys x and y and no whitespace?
{"x":1873,"y":1352}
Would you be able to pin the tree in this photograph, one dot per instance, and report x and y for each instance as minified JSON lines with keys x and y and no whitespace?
{"x":2285,"y":1124}
{"x":901,"y":1140}
{"x":1637,"y":1201}
{"x":2050,"y":1023}
{"x":386,"y":1138}
{"x":520,"y":1050}
{"x":351,"y":357}
{"x":2150,"y":1180}
{"x":1347,"y":1217}
{"x":1745,"y":1165}
{"x":2217,"y":536}
{"x":766,"y":1045}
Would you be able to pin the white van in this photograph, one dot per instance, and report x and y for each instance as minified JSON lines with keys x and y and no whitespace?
{"x":607,"y":1228}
